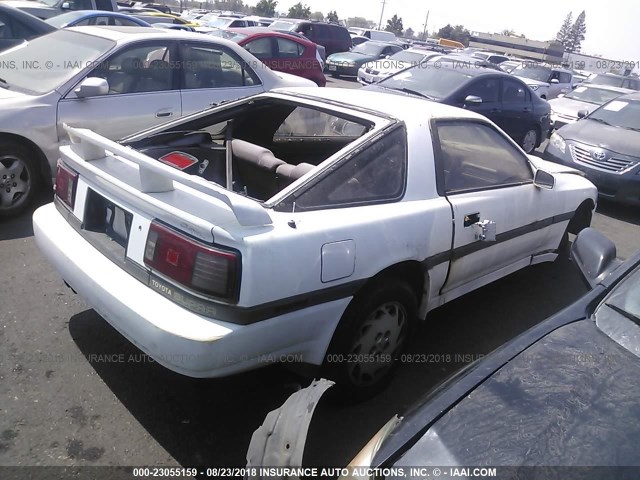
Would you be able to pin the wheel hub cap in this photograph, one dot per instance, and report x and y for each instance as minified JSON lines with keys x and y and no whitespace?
{"x":14,"y":180}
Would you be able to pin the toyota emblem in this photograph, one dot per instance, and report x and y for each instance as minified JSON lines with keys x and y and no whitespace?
{"x":599,"y":155}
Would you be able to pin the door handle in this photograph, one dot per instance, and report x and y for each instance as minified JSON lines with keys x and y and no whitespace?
{"x":526,"y":109}
{"x":164,"y":114}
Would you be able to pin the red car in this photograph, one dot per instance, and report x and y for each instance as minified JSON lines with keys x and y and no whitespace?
{"x":282,"y":52}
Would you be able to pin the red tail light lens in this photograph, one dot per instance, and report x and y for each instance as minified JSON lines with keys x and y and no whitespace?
{"x":66,"y":180}
{"x":202,"y":268}
{"x":179,"y":160}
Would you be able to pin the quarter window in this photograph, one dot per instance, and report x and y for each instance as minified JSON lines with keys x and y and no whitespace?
{"x":473,"y":156}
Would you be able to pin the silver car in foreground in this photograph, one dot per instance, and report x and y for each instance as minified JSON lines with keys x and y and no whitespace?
{"x":115,"y":81}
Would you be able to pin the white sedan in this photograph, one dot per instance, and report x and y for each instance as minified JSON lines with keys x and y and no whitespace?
{"x":315,"y":226}
{"x":114,"y":80}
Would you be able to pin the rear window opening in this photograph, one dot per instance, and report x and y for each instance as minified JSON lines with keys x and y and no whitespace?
{"x":271,"y":143}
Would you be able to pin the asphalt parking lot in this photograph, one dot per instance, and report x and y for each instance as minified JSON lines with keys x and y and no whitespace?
{"x":73,"y":391}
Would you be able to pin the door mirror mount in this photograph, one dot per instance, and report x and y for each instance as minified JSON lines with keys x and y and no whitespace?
{"x":544,"y":180}
{"x":92,"y":87}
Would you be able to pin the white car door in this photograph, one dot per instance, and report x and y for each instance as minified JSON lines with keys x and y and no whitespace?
{"x":142,"y":93}
{"x":212,"y":74}
{"x":486,"y":178}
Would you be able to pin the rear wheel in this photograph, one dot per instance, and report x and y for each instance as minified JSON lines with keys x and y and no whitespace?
{"x":530,"y":140}
{"x":19,"y":178}
{"x":372,"y":332}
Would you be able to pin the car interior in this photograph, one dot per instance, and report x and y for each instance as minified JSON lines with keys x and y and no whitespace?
{"x":271,"y":144}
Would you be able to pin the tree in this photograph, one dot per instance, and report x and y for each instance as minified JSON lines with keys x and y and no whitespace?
{"x":457,"y":33}
{"x":409,"y":33}
{"x":508,"y":33}
{"x":299,"y":11}
{"x":265,"y":8}
{"x":394,"y":24}
{"x":332,"y":17}
{"x":360,"y":22}
{"x":565,"y":29}
{"x":317,"y":16}
{"x":576,"y":35}
{"x":229,"y":5}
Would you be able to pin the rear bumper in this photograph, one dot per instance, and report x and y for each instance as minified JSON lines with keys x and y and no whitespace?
{"x":182,"y":341}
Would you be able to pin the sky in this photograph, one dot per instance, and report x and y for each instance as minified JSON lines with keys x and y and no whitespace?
{"x":612,"y":25}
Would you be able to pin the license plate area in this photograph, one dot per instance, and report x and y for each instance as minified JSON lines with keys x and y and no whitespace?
{"x":332,"y":68}
{"x":107,"y":223}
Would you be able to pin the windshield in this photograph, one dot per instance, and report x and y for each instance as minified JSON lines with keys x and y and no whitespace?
{"x":217,"y":22}
{"x":405,"y":56}
{"x":280,"y":25}
{"x":594,"y":95}
{"x":427,"y":80}
{"x":369,"y":48}
{"x":534,"y":72}
{"x":619,"y":313}
{"x":619,"y":113}
{"x":60,"y":21}
{"x":606,"y":80}
{"x":61,"y":55}
{"x":229,"y":35}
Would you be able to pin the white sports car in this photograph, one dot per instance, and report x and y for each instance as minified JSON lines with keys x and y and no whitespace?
{"x":308,"y":225}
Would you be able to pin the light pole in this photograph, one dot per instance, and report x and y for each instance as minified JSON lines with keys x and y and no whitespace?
{"x":381,"y":13}
{"x":424,"y":32}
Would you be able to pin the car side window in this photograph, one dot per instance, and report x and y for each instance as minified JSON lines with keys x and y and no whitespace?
{"x":6,"y":31}
{"x":513,"y":92}
{"x":124,"y":22}
{"x":207,"y":66}
{"x":376,"y":174}
{"x":473,"y":155}
{"x":485,"y":88}
{"x":104,"y":5}
{"x":138,"y":69}
{"x":288,"y":48}
{"x":80,"y":5}
{"x":565,"y":77}
{"x":260,"y":47}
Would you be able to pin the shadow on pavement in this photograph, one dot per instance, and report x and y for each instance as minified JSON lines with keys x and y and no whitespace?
{"x":624,"y":213}
{"x":209,"y":422}
{"x":21,"y":226}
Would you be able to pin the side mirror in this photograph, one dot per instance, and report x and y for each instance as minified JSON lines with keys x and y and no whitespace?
{"x":554,"y":80}
{"x":595,"y":255}
{"x":544,"y":180}
{"x":92,"y":87}
{"x":472,"y":100}
{"x":65,"y":6}
{"x":583,"y":113}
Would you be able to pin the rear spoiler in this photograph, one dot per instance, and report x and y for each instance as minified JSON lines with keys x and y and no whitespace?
{"x":155,"y":177}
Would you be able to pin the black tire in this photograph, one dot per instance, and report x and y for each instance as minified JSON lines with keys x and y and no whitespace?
{"x":365,"y":347}
{"x":335,"y":75}
{"x":19,"y":178}
{"x":527,"y":145}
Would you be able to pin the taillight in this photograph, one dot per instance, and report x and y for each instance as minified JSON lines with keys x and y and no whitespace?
{"x":66,"y":180}
{"x":202,"y":268}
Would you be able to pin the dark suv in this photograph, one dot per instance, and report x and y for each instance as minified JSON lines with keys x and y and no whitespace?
{"x":333,"y":37}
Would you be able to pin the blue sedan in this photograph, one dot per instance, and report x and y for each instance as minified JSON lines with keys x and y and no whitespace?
{"x":95,"y":17}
